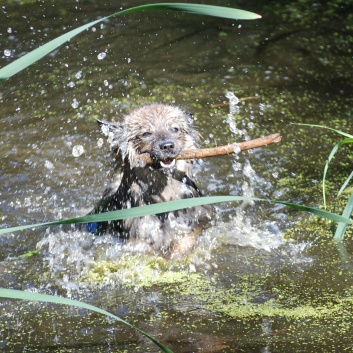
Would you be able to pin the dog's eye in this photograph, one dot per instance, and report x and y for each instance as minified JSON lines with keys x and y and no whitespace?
{"x":174,"y":128}
{"x":146,"y":134}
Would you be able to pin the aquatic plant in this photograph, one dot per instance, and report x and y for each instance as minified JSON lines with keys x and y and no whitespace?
{"x":341,"y":227}
{"x":174,"y":206}
{"x":18,"y":294}
{"x":208,"y":10}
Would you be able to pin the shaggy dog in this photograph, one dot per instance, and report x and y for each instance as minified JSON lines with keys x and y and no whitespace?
{"x":161,"y":131}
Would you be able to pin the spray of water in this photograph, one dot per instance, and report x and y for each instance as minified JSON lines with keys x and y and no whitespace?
{"x":241,"y":230}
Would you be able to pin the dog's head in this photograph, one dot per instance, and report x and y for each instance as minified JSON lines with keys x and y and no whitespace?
{"x":160,"y":130}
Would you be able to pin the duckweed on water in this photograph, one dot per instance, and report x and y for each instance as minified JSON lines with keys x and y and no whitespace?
{"x":243,"y":300}
{"x":138,"y":271}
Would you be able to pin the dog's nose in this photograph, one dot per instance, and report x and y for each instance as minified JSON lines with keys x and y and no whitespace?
{"x":167,"y":146}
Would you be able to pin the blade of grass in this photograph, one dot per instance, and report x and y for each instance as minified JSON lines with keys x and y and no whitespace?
{"x":327,"y":128}
{"x":17,"y":294}
{"x":173,"y":206}
{"x":341,"y":227}
{"x":330,"y":157}
{"x":344,"y":184}
{"x":209,"y":10}
{"x":132,"y":212}
{"x":334,"y":150}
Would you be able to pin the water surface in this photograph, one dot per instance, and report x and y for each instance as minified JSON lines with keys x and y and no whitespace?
{"x":265,"y":278}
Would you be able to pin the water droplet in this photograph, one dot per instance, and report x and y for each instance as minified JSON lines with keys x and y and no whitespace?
{"x":100,"y":142}
{"x":236,"y":166}
{"x":48,"y":164}
{"x":9,"y":30}
{"x":71,"y":84}
{"x":105,"y":130}
{"x":249,"y":171}
{"x":106,"y":83}
{"x":78,"y":75}
{"x":7,"y":52}
{"x":128,"y":60}
{"x":230,"y":95}
{"x":233,"y":101}
{"x":77,"y":150}
{"x":236,"y":148}
{"x":75,"y":103}
{"x":192,"y":268}
{"x":101,"y":56}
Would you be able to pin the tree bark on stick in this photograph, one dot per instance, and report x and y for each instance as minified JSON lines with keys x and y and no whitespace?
{"x":221,"y":150}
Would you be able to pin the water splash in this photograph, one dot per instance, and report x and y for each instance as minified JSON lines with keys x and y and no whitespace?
{"x":101,"y":56}
{"x":75,"y":103}
{"x":100,"y":142}
{"x":110,"y":134}
{"x":241,"y":230}
{"x":48,"y":164}
{"x":233,"y":101}
{"x":77,"y":150}
{"x":233,"y":109}
{"x":78,"y":75}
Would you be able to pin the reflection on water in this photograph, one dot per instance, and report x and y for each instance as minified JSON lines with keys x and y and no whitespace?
{"x":257,"y":281}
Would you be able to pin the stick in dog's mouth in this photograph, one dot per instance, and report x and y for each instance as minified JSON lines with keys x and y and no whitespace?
{"x":145,"y":158}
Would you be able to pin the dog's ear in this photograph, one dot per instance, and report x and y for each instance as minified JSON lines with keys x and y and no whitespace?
{"x":112,"y":129}
{"x":112,"y":126}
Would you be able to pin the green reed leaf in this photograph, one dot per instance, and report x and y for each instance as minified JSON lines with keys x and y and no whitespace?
{"x":341,"y":227}
{"x":327,"y":128}
{"x":344,"y":185}
{"x":348,"y":139}
{"x":18,"y":294}
{"x":329,"y":159}
{"x":209,"y":10}
{"x":173,"y":206}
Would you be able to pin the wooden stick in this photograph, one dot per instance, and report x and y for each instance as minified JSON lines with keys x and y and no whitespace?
{"x":221,"y":150}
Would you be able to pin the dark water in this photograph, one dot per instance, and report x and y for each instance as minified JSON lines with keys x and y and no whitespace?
{"x":265,"y":278}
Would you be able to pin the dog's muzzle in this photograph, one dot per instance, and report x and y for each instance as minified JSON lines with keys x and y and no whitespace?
{"x":164,"y":154}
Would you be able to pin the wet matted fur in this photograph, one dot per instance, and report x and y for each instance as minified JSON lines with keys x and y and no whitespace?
{"x":162,"y":131}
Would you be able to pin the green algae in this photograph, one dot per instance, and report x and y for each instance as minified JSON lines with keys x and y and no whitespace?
{"x":137,"y":271}
{"x":239,"y":301}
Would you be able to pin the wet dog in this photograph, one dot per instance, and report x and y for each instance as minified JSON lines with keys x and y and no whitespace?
{"x":161,"y":131}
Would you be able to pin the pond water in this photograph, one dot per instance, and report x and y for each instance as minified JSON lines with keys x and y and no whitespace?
{"x":263,"y":278}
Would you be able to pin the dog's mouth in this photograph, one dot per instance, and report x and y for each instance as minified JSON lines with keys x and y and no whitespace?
{"x":167,"y":163}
